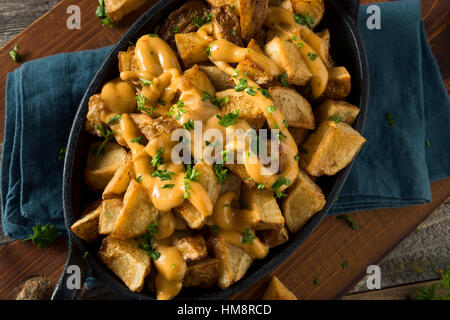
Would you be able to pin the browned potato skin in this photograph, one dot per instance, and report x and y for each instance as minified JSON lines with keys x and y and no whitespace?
{"x":253,"y":13}
{"x":273,"y":237}
{"x":256,"y":72}
{"x":182,"y":20}
{"x":202,"y":273}
{"x":116,"y":10}
{"x":93,"y":117}
{"x":86,"y":227}
{"x":224,"y":20}
{"x":191,"y":48}
{"x":315,"y":8}
{"x":128,"y":262}
{"x":109,"y":212}
{"x":339,"y":84}
{"x":191,"y":248}
{"x":277,"y":291}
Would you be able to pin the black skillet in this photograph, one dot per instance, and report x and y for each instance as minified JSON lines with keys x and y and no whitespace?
{"x":346,"y":48}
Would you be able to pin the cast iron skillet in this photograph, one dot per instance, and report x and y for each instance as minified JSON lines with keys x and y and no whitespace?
{"x":347,"y":49}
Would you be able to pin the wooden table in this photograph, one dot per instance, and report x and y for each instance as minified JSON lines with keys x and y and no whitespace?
{"x":320,"y":257}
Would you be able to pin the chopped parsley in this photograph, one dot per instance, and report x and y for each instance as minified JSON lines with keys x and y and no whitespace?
{"x":349,"y":220}
{"x":189,"y":125}
{"x":62,"y":153}
{"x":221,"y":173}
{"x":294,"y":38}
{"x":192,"y":174}
{"x":248,"y":237}
{"x":312,"y":56}
{"x":107,"y":135}
{"x":208,"y":50}
{"x":158,"y":158}
{"x":316,"y":281}
{"x":390,"y":119}
{"x":114,"y":119}
{"x":168,"y":186}
{"x":198,"y":22}
{"x":146,"y":240}
{"x":264,"y":92}
{"x":344,"y":265}
{"x":162,"y":102}
{"x":141,"y":102}
{"x":260,"y":186}
{"x":138,"y":139}
{"x":427,"y":143}
{"x":299,"y":45}
{"x":175,"y":29}
{"x":297,"y":157}
{"x":155,"y":32}
{"x":250,"y":91}
{"x":215,"y":101}
{"x":14,"y":54}
{"x":335,"y":119}
{"x":304,"y":20}
{"x":278,"y":184}
{"x":303,"y":150}
{"x":229,"y":119}
{"x":283,"y":79}
{"x":101,"y":14}
{"x":164,"y":175}
{"x":43,"y":235}
{"x":139,"y":178}
{"x":215,"y":229}
{"x":271,"y":108}
{"x":233,"y":31}
{"x":241,"y":85}
{"x":146,"y":82}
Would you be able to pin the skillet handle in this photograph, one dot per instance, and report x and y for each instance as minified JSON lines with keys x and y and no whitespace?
{"x":76,"y":270}
{"x":351,"y":7}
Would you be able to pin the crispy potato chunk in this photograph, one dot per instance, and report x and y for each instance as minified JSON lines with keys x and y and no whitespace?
{"x":257,"y":73}
{"x":219,"y":3}
{"x":325,"y":36}
{"x":273,"y":237}
{"x":231,"y":184}
{"x":109,"y":212}
{"x":277,"y":291}
{"x":234,"y":261}
{"x":202,"y":273}
{"x":191,"y":48}
{"x":182,"y":20}
{"x":218,"y":78}
{"x":194,"y":78}
{"x":295,"y":109}
{"x":248,"y":109}
{"x":116,"y":10}
{"x":344,"y":111}
{"x":330,"y":148}
{"x":226,"y":25}
{"x":298,"y":134}
{"x":315,"y":8}
{"x":191,"y":248}
{"x":86,"y":227}
{"x":100,"y":171}
{"x":339,"y":83}
{"x":208,"y":180}
{"x":262,"y":203}
{"x":253,"y":13}
{"x":304,"y":199}
{"x":128,"y":262}
{"x":93,"y":117}
{"x":117,"y":186}
{"x":137,"y":213}
{"x":127,"y":60}
{"x":289,"y":59}
{"x":241,"y":172}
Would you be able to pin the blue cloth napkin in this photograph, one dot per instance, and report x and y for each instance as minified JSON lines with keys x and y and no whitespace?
{"x":397,"y":164}
{"x":394,"y":168}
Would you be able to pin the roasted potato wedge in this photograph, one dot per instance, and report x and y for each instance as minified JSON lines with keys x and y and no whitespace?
{"x":241,"y":172}
{"x":100,"y":170}
{"x":128,"y":262}
{"x":217,"y":77}
{"x":93,"y":117}
{"x":234,"y":261}
{"x":137,"y":213}
{"x":231,"y":184}
{"x":86,"y":227}
{"x":337,"y":110}
{"x":192,"y":247}
{"x":277,"y":291}
{"x":116,"y":10}
{"x":191,"y":48}
{"x":117,"y":186}
{"x":252,"y":13}
{"x":298,"y":134}
{"x":304,"y":199}
{"x":226,"y":25}
{"x":258,"y":73}
{"x":289,"y":59}
{"x":248,"y":110}
{"x":273,"y":237}
{"x":330,"y":148}
{"x":109,"y":212}
{"x":202,"y":273}
{"x":314,"y":8}
{"x":339,"y":83}
{"x":234,"y":4}
{"x":265,"y":211}
{"x":295,"y":109}
{"x":208,"y":180}
{"x":182,"y":20}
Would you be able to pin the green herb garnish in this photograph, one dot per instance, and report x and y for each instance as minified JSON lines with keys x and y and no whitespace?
{"x":107,"y":134}
{"x":248,"y":237}
{"x":139,"y":178}
{"x":335,"y":119}
{"x":250,"y":91}
{"x":146,"y":240}
{"x":115,"y":118}
{"x":304,"y":20}
{"x":100,"y":13}
{"x":283,"y":79}
{"x":425,"y":293}
{"x":189,"y":125}
{"x":346,"y":218}
{"x":168,"y":186}
{"x":62,"y":153}
{"x":43,"y":235}
{"x":344,"y":265}
{"x":264,"y":92}
{"x":390,"y":119}
{"x":14,"y":54}
{"x":146,"y":82}
{"x":162,"y":174}
{"x":243,"y":83}
{"x":138,"y":139}
{"x":229,"y":119}
{"x":158,"y":158}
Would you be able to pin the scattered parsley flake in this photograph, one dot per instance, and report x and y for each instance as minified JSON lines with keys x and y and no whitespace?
{"x":344,"y":265}
{"x":248,"y":237}
{"x":138,"y":140}
{"x":43,"y":235}
{"x":304,"y":20}
{"x":243,"y":83}
{"x":62,"y":153}
{"x":158,"y":158}
{"x":14,"y":54}
{"x":229,"y":119}
{"x":283,"y":79}
{"x":346,"y":218}
{"x":139,"y":178}
{"x":335,"y":119}
{"x":390,"y":119}
{"x":164,"y":175}
{"x":115,"y":118}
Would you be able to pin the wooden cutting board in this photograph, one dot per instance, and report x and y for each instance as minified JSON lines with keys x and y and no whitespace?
{"x":319,"y":257}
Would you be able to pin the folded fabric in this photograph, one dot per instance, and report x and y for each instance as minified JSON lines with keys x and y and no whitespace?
{"x":393,"y":169}
{"x":399,"y":161}
{"x":42,"y":97}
